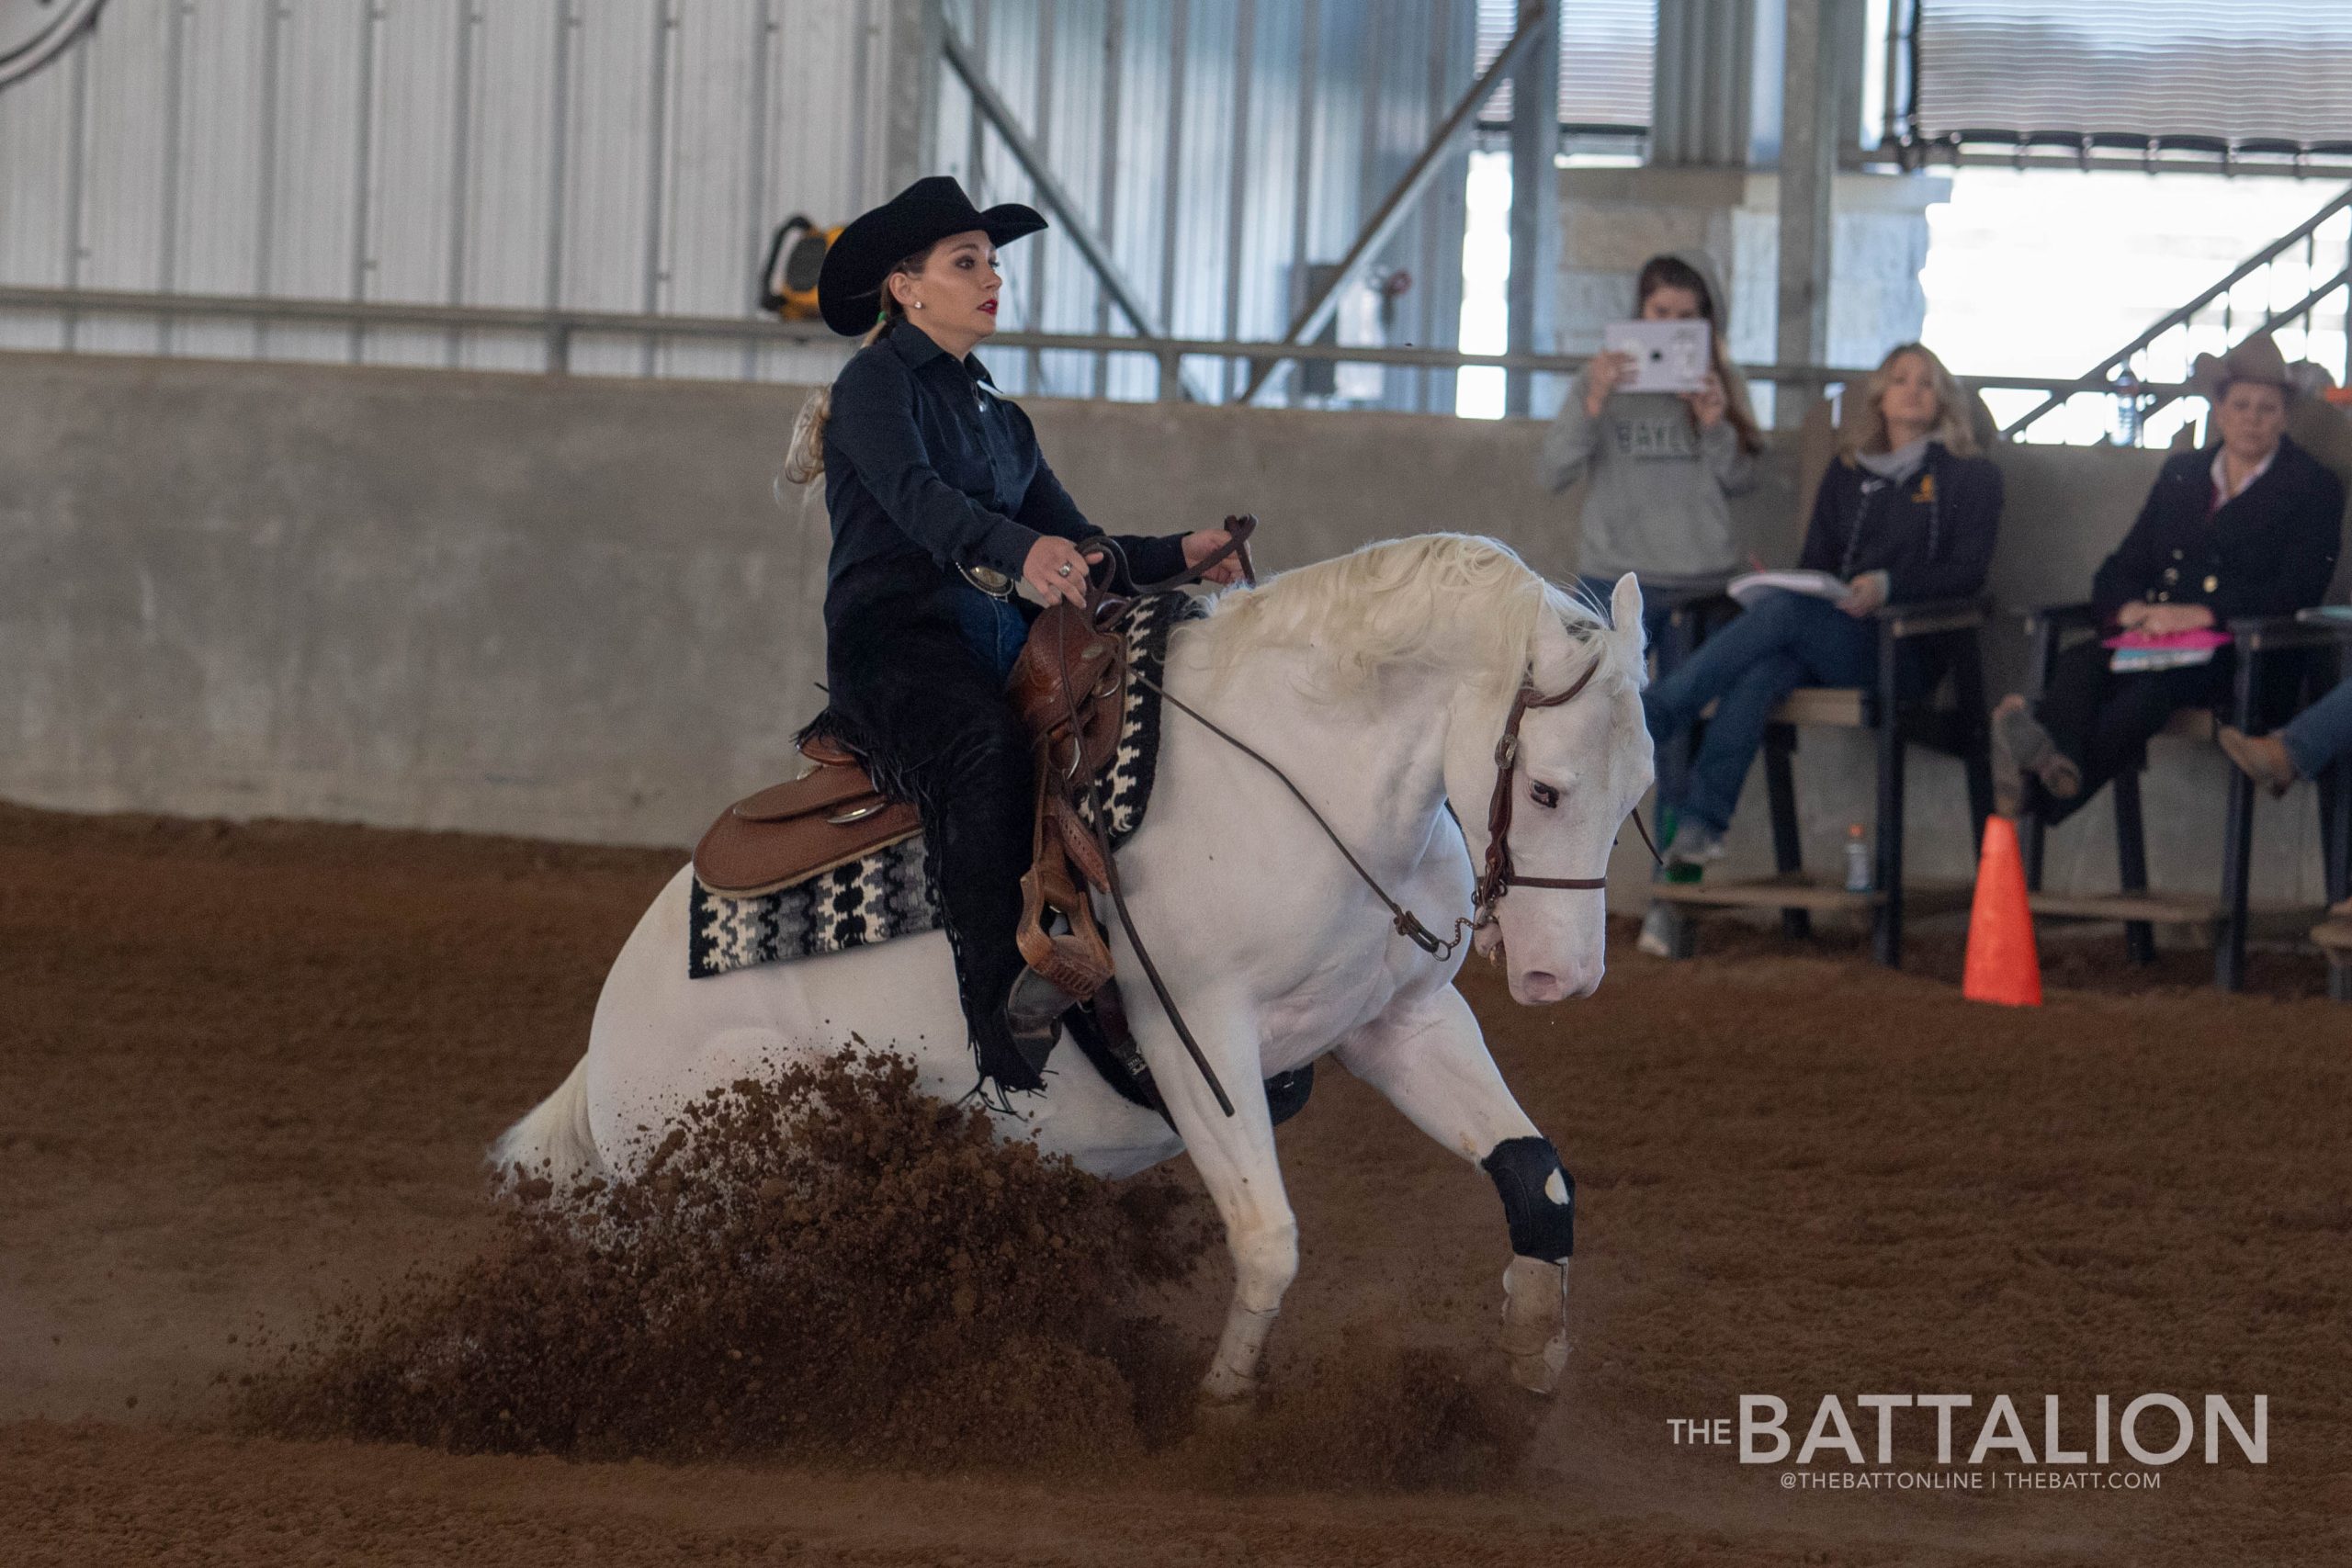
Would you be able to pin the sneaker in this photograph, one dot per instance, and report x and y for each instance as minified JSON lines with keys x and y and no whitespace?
{"x":1668,"y":824}
{"x":1694,"y":843}
{"x":1657,"y":932}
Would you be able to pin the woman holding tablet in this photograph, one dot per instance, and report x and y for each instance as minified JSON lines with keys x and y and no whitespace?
{"x":1662,"y":465}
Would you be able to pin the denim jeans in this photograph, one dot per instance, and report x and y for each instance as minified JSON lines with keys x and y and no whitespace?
{"x":2322,"y":732}
{"x":993,"y":629}
{"x":1653,"y":615}
{"x":1782,"y":642}
{"x":1668,"y":645}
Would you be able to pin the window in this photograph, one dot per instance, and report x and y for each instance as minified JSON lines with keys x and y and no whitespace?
{"x":2263,"y":75}
{"x":1606,"y":63}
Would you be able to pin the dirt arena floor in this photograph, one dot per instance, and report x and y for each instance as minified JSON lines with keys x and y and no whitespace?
{"x":250,"y":1071}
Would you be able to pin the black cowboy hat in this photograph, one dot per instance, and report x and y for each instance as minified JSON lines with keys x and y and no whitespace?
{"x":848,"y":286}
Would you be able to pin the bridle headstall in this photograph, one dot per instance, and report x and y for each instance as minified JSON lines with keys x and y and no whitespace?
{"x":1499,"y":877}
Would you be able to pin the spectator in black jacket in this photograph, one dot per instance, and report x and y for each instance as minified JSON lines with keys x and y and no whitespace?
{"x":1907,"y":511}
{"x":2248,"y":526}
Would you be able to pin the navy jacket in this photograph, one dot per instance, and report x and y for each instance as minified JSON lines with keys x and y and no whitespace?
{"x":927,"y":468}
{"x":2269,"y":551}
{"x":1932,"y":535}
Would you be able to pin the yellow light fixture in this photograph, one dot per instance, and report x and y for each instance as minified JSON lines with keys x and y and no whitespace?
{"x":789,"y":278}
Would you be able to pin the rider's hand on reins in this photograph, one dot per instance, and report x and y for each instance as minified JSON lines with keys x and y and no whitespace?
{"x":1056,"y":570}
{"x":1200,"y":546}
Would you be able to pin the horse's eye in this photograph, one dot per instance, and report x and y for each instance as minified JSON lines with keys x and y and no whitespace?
{"x":1543,"y":794}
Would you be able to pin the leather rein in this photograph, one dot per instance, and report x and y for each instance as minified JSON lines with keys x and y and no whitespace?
{"x":1105,"y":613}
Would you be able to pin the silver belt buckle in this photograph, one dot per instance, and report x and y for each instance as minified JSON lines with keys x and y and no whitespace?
{"x":989,"y":581}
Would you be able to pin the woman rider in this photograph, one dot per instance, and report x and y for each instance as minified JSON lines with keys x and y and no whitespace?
{"x":940,"y":503}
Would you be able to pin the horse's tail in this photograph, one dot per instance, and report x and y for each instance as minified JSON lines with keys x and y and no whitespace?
{"x":554,"y":1139}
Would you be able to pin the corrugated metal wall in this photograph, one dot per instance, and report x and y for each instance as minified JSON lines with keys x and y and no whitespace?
{"x":1704,"y":104}
{"x":1218,"y":146}
{"x":591,"y":154}
{"x":632,"y":155}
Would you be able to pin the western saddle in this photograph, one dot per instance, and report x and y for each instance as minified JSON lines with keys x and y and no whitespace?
{"x":1069,"y":686}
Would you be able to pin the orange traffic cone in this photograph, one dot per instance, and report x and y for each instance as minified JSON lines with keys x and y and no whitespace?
{"x":2002,"y":965}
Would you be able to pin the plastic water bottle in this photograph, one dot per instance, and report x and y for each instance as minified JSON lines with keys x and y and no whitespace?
{"x":2128,"y":412}
{"x":1858,"y":860}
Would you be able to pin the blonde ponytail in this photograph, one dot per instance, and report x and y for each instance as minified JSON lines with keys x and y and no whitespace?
{"x":803,"y":458}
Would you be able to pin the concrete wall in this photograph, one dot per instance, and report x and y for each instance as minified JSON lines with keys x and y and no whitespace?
{"x":575,"y":608}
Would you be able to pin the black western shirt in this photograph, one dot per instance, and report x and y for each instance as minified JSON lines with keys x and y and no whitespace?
{"x":928,"y":468}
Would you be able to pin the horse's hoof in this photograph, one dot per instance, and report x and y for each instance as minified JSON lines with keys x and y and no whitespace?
{"x":1535,"y":1323}
{"x":1225,"y":1387}
{"x":1540,"y":1374}
{"x":1227,"y":1390}
{"x":1212,"y":1415}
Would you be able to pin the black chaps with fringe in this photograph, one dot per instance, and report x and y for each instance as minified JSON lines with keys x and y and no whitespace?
{"x":937,"y":729}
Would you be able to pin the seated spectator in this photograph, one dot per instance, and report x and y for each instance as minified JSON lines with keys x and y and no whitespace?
{"x":1662,"y":465}
{"x":1906,"y":511}
{"x":2245,"y":528}
{"x":2316,"y":737}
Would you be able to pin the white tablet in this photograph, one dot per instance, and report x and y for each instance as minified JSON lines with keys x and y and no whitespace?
{"x":1668,"y":357}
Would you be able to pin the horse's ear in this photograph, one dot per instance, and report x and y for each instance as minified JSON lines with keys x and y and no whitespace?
{"x":1625,"y":615}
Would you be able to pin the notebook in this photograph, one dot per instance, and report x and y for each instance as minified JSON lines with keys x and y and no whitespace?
{"x":1746,"y":590}
{"x":2139,"y":653}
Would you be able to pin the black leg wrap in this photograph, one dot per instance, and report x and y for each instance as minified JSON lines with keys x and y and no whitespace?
{"x":1539,"y":1227}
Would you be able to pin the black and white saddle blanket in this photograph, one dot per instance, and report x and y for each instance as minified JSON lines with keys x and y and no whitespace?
{"x":888,"y":893}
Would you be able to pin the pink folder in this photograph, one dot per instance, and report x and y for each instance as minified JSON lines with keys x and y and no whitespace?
{"x":2202,"y":637}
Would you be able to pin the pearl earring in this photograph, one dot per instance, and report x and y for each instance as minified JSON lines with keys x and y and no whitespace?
{"x":918,"y":304}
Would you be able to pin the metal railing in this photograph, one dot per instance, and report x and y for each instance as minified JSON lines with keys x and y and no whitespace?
{"x":561,"y":329}
{"x":2117,"y":376}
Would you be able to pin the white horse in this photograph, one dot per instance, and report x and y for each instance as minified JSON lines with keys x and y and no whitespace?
{"x":1380,"y":683}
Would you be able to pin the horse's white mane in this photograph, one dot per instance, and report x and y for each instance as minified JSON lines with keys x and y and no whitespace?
{"x":1452,"y":601}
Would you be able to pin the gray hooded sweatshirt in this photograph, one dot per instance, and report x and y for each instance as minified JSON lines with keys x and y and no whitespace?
{"x":1656,"y":506}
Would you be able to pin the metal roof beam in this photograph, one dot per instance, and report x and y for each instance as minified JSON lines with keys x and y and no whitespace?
{"x":1535,"y":205}
{"x":994,"y":109}
{"x":1534,"y":23}
{"x":1809,"y":104}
